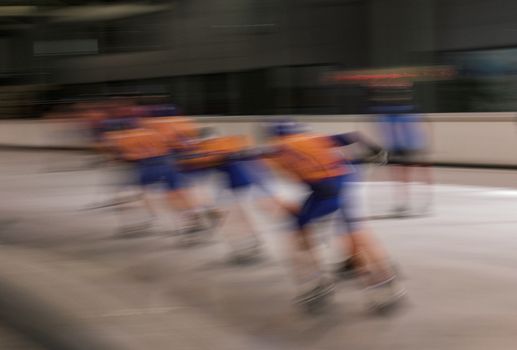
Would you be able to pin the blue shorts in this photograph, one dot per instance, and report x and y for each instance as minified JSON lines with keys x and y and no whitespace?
{"x":260,"y":175}
{"x":326,"y":198}
{"x":237,"y":174}
{"x":403,"y":133}
{"x":159,"y":170}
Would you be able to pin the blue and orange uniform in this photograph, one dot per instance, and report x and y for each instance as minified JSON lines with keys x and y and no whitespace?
{"x":314,"y":160}
{"x":216,"y":154}
{"x":179,"y":132}
{"x":399,"y":124}
{"x":402,"y":131}
{"x":149,"y":151}
{"x":181,"y":135}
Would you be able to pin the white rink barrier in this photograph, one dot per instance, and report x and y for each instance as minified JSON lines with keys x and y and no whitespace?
{"x":458,"y":138}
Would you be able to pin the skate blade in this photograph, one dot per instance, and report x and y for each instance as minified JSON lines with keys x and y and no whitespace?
{"x":379,"y":286}
{"x":329,"y":290}
{"x":137,"y":231}
{"x":247,"y":258}
{"x":190,"y":242}
{"x":389,"y":304}
{"x":345,"y":275}
{"x":192,"y":236}
{"x":316,"y":304}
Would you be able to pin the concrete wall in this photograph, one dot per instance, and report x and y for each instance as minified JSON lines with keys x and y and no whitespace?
{"x":454,"y":138}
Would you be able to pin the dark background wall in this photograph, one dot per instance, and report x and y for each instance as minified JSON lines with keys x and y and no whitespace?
{"x":200,"y":37}
{"x":468,"y":24}
{"x":268,"y":56}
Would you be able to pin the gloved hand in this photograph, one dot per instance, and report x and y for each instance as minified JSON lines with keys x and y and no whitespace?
{"x":378,"y":156}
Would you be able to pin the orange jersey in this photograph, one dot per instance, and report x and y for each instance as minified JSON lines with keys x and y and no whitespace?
{"x":310,"y":157}
{"x":138,"y":144}
{"x":178,"y":131}
{"x":211,"y":152}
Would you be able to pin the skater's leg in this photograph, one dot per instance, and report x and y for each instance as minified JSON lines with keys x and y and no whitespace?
{"x":242,"y":237}
{"x":424,"y":173}
{"x":306,"y":268}
{"x":356,"y":241}
{"x":370,"y":255}
{"x":305,"y":262}
{"x":178,"y":195}
{"x":400,"y":176}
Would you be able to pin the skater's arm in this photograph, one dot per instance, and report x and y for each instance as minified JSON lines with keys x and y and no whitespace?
{"x":350,"y":138}
{"x":377,"y":153}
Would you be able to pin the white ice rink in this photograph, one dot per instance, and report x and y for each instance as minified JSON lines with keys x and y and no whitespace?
{"x":459,"y":266}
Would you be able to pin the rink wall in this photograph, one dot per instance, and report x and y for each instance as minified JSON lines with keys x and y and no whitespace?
{"x":470,"y":139}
